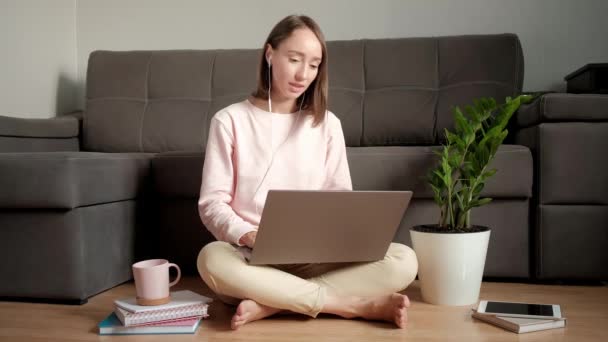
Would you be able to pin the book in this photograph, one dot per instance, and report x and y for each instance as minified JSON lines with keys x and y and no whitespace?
{"x":176,"y":321}
{"x":520,"y":325}
{"x":183,"y":304}
{"x":178,"y":299}
{"x":112,"y":326}
{"x":138,"y":318}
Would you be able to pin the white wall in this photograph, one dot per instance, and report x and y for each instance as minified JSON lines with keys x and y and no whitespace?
{"x":38,"y":69}
{"x":557,"y":36}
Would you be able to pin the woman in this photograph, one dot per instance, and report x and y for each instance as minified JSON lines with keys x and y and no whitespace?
{"x":283,"y":137}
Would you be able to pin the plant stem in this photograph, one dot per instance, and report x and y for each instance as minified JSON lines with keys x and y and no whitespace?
{"x":470,"y":199}
{"x":450,"y":207}
{"x":456,"y":180}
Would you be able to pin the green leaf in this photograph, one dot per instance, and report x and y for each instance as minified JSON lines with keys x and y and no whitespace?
{"x":436,"y":189}
{"x":469,"y":138}
{"x":440,"y":176}
{"x":454,"y":139}
{"x":474,"y":113}
{"x":489,"y":173}
{"x":459,"y":199}
{"x":480,"y":202}
{"x":526,"y":99}
{"x":460,"y":121}
{"x":462,"y":168}
{"x":478,"y":188}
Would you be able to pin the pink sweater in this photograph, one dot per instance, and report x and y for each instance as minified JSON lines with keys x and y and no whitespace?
{"x":236,"y":173}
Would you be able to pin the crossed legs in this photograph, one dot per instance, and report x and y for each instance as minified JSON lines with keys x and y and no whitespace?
{"x":392,"y":308}
{"x":366,"y":290}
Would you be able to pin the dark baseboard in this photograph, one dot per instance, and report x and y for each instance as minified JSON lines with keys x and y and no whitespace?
{"x":566,"y":282}
{"x":44,"y":300}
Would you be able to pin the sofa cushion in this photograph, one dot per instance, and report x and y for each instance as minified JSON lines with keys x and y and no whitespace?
{"x":68,"y":254}
{"x":70,"y":179}
{"x":20,"y":144}
{"x":57,"y":127}
{"x":162,"y":99}
{"x":476,"y":66}
{"x":179,"y":174}
{"x":39,"y":135}
{"x":401,"y":91}
{"x":385,"y":91}
{"x":508,"y":249}
{"x":406,"y":167}
{"x":347,"y":87}
{"x":571,"y":241}
{"x":564,"y":108}
{"x":571,"y":164}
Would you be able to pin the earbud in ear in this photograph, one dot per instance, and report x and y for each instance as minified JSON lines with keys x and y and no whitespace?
{"x":269,"y":60}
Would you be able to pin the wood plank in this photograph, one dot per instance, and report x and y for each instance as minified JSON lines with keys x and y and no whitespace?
{"x":586,"y":308}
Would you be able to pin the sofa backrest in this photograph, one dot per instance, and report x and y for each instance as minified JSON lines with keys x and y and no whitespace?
{"x":385,"y":91}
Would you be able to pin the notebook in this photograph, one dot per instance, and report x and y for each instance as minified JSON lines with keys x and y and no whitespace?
{"x":520,"y":325}
{"x":311,"y":226}
{"x":112,"y":326}
{"x":138,"y":318}
{"x":178,"y":299}
{"x":183,"y":304}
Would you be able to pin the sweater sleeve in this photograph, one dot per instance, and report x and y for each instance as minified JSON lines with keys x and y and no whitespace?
{"x":337,"y":173}
{"x":217,"y":187}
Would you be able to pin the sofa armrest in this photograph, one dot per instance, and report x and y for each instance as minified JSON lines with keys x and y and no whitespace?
{"x":40,"y":135}
{"x":560,"y":107}
{"x":567,"y":135}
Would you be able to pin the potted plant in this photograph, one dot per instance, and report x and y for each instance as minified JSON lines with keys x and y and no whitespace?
{"x":452,"y":253}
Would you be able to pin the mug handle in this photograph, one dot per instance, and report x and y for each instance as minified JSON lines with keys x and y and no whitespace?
{"x":179,"y":274}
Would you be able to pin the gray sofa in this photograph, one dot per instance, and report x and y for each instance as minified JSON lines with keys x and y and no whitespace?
{"x":84,"y":196}
{"x":568,"y":136}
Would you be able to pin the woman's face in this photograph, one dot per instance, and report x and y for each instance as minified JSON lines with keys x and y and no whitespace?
{"x":295,"y":64}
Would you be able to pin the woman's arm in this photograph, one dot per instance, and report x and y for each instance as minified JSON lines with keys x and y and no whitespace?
{"x":337,"y":173}
{"x":249,"y":238}
{"x":217,"y":188}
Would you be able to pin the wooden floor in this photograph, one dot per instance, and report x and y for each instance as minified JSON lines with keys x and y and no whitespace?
{"x":586,"y":308}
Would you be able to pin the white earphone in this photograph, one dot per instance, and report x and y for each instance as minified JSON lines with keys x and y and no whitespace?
{"x":257,"y":210}
{"x":269,"y":60}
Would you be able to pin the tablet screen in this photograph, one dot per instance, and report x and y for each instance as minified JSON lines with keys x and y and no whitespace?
{"x":520,"y":308}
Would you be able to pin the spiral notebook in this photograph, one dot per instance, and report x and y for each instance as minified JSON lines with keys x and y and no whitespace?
{"x":178,"y":299}
{"x":133,"y":319}
{"x":183,"y":304}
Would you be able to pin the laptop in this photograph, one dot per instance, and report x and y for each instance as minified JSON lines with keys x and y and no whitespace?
{"x":300,"y":226}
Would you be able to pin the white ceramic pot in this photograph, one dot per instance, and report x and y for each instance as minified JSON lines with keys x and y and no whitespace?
{"x":450,"y":265}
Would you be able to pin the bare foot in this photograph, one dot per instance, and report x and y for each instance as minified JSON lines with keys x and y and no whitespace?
{"x":392,"y":308}
{"x":249,"y":311}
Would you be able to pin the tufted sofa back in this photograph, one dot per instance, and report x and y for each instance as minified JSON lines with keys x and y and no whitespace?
{"x":385,"y":91}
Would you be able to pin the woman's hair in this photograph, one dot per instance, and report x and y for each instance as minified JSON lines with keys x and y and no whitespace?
{"x":315,"y":96}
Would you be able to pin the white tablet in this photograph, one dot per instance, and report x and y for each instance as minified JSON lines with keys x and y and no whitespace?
{"x":525,"y":310}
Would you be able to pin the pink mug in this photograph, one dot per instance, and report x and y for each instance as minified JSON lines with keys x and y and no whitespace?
{"x":152,"y":281}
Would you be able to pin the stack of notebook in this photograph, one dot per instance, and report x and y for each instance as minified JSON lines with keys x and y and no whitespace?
{"x":182,"y":315}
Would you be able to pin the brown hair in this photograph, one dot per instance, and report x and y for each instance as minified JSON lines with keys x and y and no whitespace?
{"x":315,"y":96}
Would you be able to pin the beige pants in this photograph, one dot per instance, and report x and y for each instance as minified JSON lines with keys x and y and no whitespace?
{"x":302,"y":288}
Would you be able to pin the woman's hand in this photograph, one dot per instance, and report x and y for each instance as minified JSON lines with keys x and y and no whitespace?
{"x":248,"y":239}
